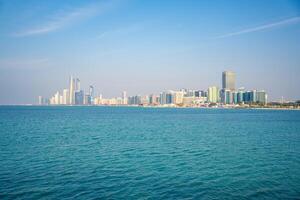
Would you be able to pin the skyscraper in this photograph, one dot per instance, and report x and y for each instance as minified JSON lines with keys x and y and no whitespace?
{"x":91,"y":93}
{"x":79,"y":97}
{"x":134,"y":100}
{"x":61,"y":100}
{"x":235,"y":97}
{"x":228,"y":80}
{"x":261,"y":97}
{"x":253,"y":96}
{"x":163,"y":98}
{"x":169,"y":98}
{"x":77,"y":81}
{"x":72,"y":90}
{"x":66,"y":96}
{"x":228,"y":97}
{"x":153,"y":99}
{"x":241,"y":95}
{"x":213,"y":94}
{"x":56,"y":98}
{"x":124,"y":97}
{"x":87,"y":99}
{"x":41,"y":100}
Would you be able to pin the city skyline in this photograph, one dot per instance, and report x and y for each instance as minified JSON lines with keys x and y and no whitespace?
{"x":226,"y":96}
{"x":147,"y":47}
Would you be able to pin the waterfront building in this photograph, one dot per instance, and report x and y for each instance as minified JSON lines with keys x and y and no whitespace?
{"x":134,"y":100}
{"x":235,"y":97}
{"x":112,"y":101}
{"x":163,"y":98}
{"x":226,"y":96}
{"x":246,"y":96}
{"x":240,"y":95}
{"x":91,"y":93}
{"x":144,"y":100}
{"x":252,"y":96}
{"x":137,"y":99}
{"x":74,"y":87}
{"x":169,"y":98}
{"x":189,"y":93}
{"x":72,"y":91}
{"x":188,"y":101}
{"x":87,"y":99}
{"x":124,"y":97}
{"x":201,"y":100}
{"x":52,"y":100}
{"x":61,"y":99}
{"x":153,"y":99}
{"x":96,"y":101}
{"x":213,"y":94}
{"x":100,"y":98}
{"x":119,"y":101}
{"x":46,"y":101}
{"x":65,"y":96}
{"x":56,"y":98}
{"x":78,"y":85}
{"x":79,"y":97}
{"x":130,"y":100}
{"x":222,"y":96}
{"x":41,"y":100}
{"x":261,"y":97}
{"x":157,"y":99}
{"x":228,"y":80}
{"x":177,"y":97}
{"x":200,"y":93}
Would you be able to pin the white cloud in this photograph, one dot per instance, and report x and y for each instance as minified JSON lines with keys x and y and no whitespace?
{"x":285,"y":22}
{"x":63,"y":19}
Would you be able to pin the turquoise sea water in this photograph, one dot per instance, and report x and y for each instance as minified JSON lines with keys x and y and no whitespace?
{"x":148,"y":153}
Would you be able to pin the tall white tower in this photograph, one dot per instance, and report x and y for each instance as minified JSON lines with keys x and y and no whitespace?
{"x":72,"y":91}
{"x":124,"y":97}
{"x":66,"y":94}
{"x":56,"y":98}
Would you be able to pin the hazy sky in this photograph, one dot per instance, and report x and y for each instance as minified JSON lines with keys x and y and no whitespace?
{"x":146,"y":46}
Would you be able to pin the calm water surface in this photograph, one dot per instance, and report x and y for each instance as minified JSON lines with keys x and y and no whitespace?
{"x":148,"y":153}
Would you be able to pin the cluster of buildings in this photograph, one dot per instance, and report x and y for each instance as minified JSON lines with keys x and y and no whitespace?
{"x":74,"y":95}
{"x":228,"y":95}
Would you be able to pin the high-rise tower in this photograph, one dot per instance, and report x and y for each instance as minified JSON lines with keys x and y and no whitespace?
{"x":213,"y":94}
{"x":124,"y":97}
{"x":72,"y":90}
{"x":66,"y":95}
{"x":228,"y":80}
{"x":77,"y":82}
{"x":91,"y":93}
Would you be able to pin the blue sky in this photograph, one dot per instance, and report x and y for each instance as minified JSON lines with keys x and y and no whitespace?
{"x":147,"y":46}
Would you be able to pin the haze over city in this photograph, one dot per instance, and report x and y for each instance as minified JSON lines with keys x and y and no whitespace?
{"x":146,"y":47}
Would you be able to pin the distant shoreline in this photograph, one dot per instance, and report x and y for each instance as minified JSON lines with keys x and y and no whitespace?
{"x":140,"y":106}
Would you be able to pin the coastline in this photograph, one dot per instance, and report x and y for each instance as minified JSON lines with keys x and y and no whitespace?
{"x":151,"y":106}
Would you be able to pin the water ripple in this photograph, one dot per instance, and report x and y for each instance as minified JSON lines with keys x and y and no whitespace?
{"x":137,"y":153}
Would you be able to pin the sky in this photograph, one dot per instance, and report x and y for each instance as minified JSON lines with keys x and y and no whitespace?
{"x":146,"y":47}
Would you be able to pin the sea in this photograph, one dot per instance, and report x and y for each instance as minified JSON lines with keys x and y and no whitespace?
{"x":74,"y":152}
